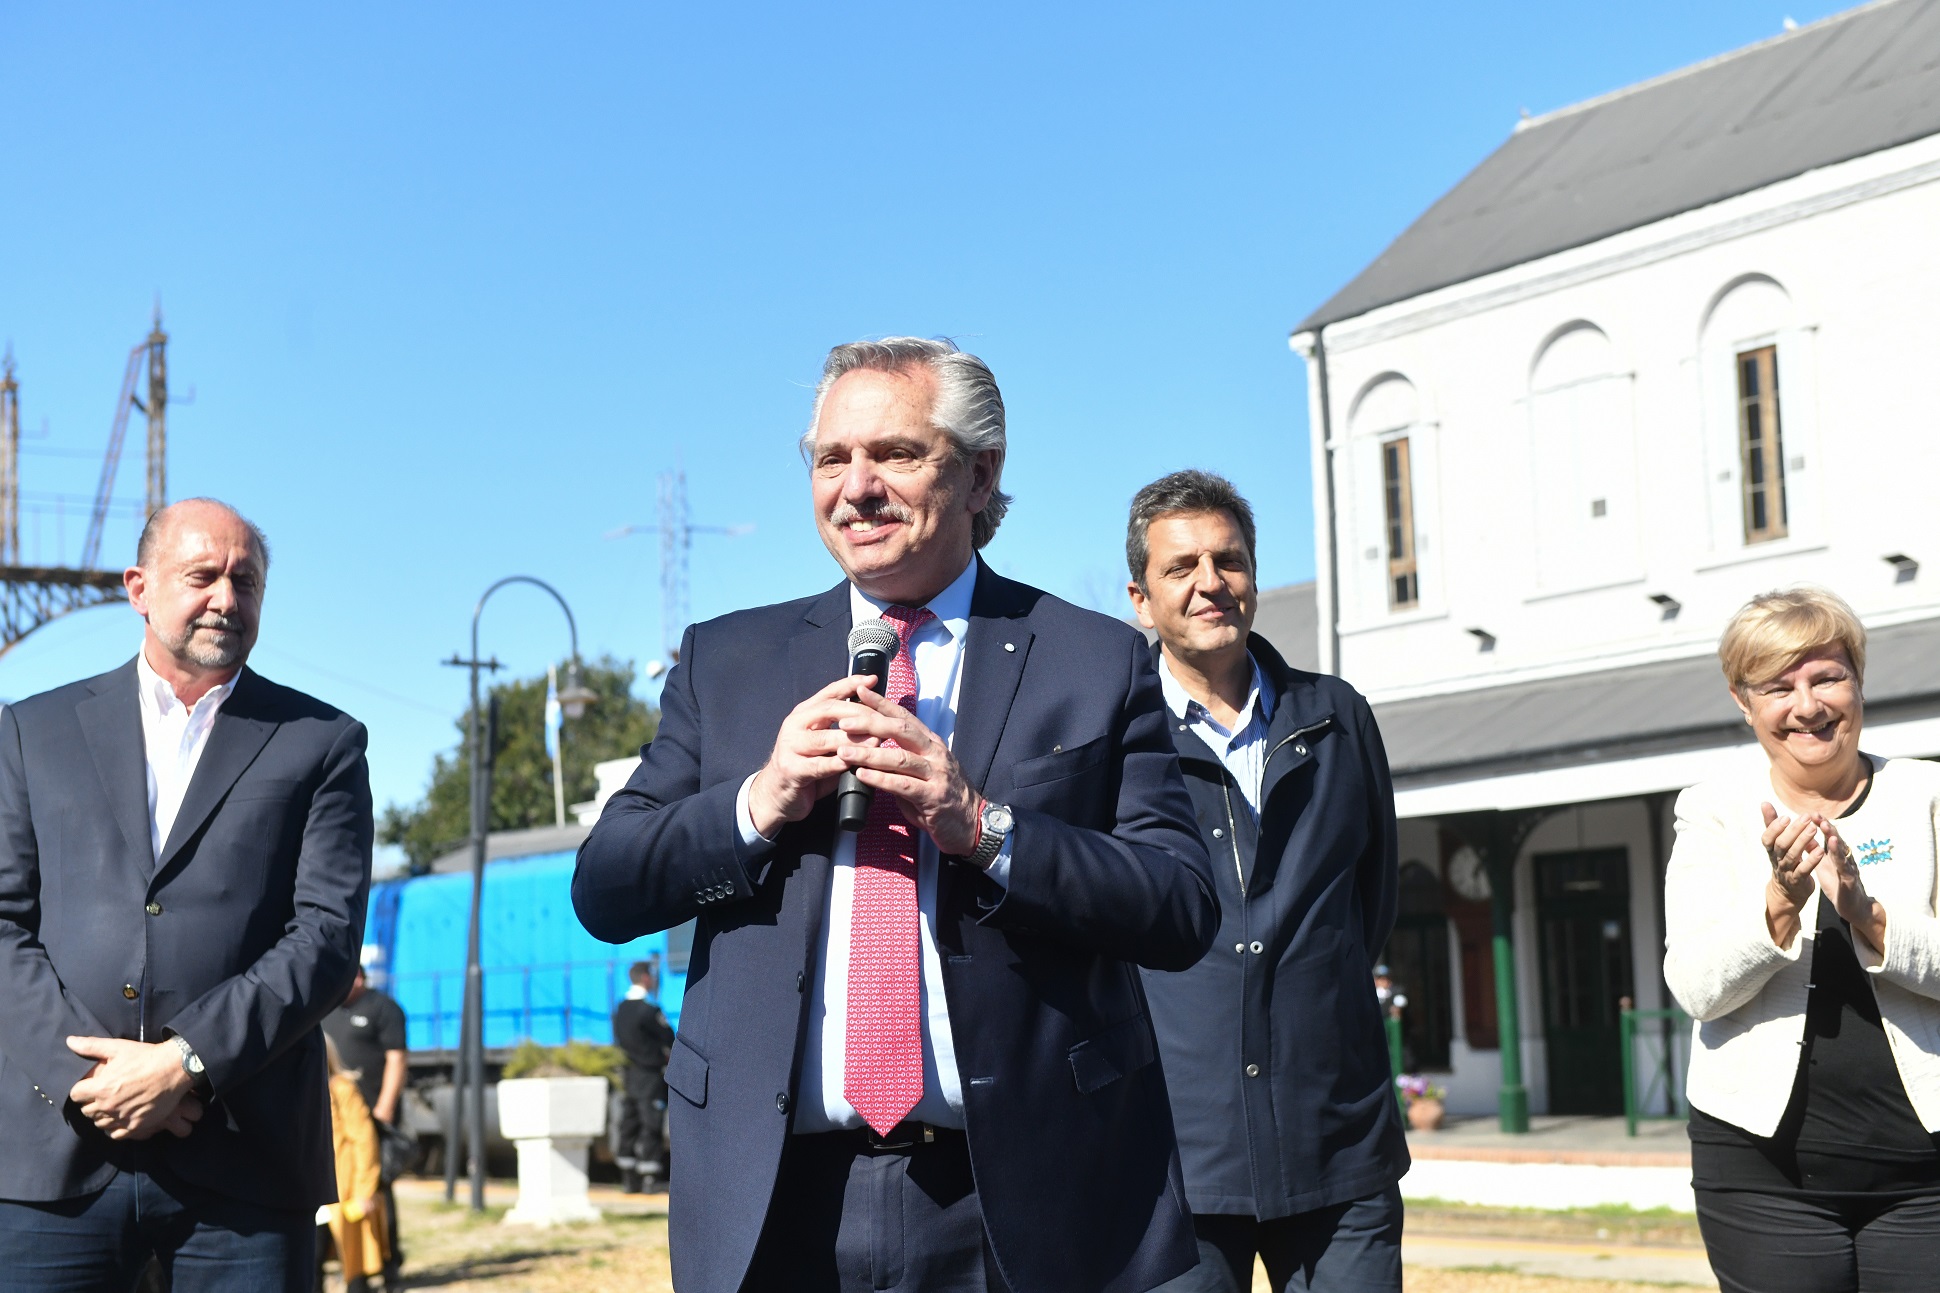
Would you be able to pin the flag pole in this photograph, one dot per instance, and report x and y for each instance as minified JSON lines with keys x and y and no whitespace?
{"x":553,"y":724}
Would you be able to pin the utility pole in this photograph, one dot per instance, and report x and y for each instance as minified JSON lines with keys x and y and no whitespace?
{"x":676,"y":542}
{"x":157,"y":411}
{"x":9,"y":463}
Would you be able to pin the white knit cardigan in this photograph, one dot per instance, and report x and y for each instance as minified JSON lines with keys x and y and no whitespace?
{"x":1745,"y":995}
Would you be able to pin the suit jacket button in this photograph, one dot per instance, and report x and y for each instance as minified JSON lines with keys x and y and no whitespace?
{"x":1219,"y":832}
{"x":781,"y":1102}
{"x":801,"y":981}
{"x":153,"y":909}
{"x":129,"y":991}
{"x":1252,"y":1070}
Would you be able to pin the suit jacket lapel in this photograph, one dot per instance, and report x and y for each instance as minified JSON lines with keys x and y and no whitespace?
{"x":993,"y":665}
{"x":820,"y":655}
{"x":111,"y":724}
{"x":239,"y":734}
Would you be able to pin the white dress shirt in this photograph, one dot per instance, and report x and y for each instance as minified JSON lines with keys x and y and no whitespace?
{"x":173,"y":738}
{"x":1243,"y":749}
{"x":937,"y":651}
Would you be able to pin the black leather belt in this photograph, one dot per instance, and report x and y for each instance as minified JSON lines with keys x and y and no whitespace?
{"x":906,"y":1135}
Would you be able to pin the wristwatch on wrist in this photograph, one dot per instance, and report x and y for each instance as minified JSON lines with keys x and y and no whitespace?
{"x":996,"y":822}
{"x":191,"y":1064}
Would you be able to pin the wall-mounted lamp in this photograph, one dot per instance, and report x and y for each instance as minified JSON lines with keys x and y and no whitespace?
{"x":1667,"y":604}
{"x":1484,"y":638}
{"x":1905,"y":568}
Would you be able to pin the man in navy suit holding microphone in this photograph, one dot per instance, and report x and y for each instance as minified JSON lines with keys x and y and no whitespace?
{"x":914,"y":1055}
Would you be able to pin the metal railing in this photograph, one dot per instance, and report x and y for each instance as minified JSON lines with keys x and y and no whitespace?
{"x":1394,"y":1058}
{"x":555,"y":1018}
{"x":1656,"y":1083}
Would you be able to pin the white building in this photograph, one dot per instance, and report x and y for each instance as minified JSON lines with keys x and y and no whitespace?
{"x":1659,"y":352}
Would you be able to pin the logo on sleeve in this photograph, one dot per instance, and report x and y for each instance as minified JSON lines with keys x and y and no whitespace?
{"x":1873,"y":851}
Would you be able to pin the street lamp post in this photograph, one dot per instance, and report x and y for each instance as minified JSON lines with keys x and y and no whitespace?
{"x":471,"y":1043}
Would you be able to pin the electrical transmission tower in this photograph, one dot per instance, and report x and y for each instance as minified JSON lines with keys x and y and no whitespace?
{"x":33,"y":595}
{"x":676,"y":543}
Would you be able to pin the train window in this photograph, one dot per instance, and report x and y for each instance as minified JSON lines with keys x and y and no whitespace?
{"x":680,"y":946}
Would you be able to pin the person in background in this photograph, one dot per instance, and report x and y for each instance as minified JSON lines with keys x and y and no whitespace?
{"x":1801,"y":937}
{"x":357,"y":1221}
{"x":1274,"y":1045}
{"x":643,"y":1035}
{"x":369,"y":1032}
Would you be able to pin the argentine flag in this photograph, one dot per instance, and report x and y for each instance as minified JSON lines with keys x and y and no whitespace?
{"x":554,"y":715}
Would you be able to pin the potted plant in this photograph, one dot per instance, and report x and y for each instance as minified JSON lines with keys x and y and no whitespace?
{"x":551,"y":1104}
{"x":1424,"y":1101}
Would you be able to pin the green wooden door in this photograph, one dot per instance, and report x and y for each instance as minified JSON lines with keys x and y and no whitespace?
{"x":1583,"y":914}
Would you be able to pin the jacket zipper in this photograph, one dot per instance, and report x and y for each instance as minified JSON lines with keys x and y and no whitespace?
{"x":1226,"y":785}
{"x":1232,"y":828}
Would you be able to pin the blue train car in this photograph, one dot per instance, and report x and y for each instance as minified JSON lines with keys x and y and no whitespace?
{"x":545,"y":977}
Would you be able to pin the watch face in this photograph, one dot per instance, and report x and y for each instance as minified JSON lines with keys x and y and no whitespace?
{"x":998,"y":818}
{"x":1468,"y":876}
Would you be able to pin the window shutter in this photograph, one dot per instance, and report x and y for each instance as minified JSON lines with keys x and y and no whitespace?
{"x":1364,"y":568}
{"x":1799,"y":436}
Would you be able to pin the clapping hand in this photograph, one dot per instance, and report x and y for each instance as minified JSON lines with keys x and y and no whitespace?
{"x":1837,"y":873}
{"x":1794,"y":847}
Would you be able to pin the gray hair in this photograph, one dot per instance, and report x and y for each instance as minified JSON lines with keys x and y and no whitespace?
{"x":157,"y":525}
{"x":1184,"y":491}
{"x":968,"y":407}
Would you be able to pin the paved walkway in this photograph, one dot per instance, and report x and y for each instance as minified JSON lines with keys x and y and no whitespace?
{"x":1560,"y":1162}
{"x":1558,"y":1139}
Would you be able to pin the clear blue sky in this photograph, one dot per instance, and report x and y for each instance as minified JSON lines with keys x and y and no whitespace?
{"x":452,"y":284}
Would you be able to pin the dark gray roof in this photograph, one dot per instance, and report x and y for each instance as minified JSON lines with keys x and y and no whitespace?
{"x":516,"y":844}
{"x":1622,"y":713}
{"x":1853,"y":84}
{"x":1288,"y":619}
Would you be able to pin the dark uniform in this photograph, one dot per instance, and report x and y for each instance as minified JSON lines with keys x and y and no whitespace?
{"x":645,"y":1037}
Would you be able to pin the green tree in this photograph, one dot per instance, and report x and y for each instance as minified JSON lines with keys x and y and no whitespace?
{"x":615,"y":725}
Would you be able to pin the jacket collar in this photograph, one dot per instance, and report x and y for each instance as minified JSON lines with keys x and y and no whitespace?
{"x":1298,"y":704}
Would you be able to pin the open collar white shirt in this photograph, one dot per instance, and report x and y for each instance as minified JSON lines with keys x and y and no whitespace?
{"x":1242,"y":749}
{"x":937,"y":653}
{"x":173,"y":739}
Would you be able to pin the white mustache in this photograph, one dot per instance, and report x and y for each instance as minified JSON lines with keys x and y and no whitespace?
{"x":886,"y":510}
{"x":221,"y":623}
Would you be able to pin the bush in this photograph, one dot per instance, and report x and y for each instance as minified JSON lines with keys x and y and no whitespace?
{"x":574,"y":1059}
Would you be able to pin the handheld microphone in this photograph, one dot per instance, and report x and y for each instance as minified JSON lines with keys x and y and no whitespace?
{"x":872,"y":645}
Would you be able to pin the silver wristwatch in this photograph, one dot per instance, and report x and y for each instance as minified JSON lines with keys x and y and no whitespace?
{"x":191,"y":1062}
{"x":996,"y":823}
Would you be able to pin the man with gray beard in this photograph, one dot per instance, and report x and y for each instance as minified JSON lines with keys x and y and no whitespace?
{"x":184,"y":860}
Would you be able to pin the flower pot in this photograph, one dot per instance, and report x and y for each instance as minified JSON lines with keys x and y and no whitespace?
{"x":553,"y":1122}
{"x":1425,"y":1114}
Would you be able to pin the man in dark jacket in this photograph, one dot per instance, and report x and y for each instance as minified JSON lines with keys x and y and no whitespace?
{"x":642,"y":1033}
{"x":1274,"y":1049}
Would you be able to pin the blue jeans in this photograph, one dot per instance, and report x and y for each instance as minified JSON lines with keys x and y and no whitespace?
{"x":99,"y":1243}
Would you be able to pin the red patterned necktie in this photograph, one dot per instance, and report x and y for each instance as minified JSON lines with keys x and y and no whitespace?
{"x":882,"y":1074}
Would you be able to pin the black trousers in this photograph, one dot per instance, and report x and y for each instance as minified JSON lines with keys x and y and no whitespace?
{"x":1351,"y":1247}
{"x":1843,"y":1243}
{"x":847,"y":1218}
{"x":643,"y":1112}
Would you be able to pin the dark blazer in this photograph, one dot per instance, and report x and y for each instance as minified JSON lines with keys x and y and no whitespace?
{"x":1306,"y":903}
{"x":1060,"y":717}
{"x":241,"y":937}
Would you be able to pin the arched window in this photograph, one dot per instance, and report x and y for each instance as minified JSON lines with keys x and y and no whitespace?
{"x":1583,"y":463}
{"x":1417,"y":957}
{"x":1391,"y":464}
{"x":1757,"y":371}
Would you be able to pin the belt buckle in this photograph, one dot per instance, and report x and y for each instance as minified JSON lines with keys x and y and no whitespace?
{"x":904,"y":1135}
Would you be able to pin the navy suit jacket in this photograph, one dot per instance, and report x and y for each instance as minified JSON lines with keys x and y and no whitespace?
{"x":240,"y":937}
{"x":1059,"y":716}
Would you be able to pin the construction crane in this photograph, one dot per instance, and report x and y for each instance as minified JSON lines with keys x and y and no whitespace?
{"x":34,"y":595}
{"x":676,"y":542}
